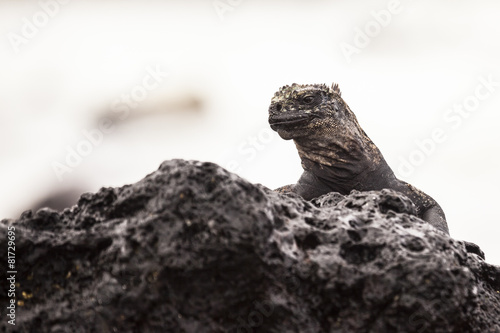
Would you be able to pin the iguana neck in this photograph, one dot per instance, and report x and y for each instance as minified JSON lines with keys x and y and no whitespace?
{"x":346,"y":162}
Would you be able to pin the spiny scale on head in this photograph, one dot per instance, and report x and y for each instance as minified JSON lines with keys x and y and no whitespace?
{"x":289,"y":89}
{"x":335,"y":88}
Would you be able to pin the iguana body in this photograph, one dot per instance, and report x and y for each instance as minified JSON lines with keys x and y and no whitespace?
{"x":336,"y":154}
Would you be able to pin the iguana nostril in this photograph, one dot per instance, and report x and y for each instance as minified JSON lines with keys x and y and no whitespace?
{"x":279,"y":107}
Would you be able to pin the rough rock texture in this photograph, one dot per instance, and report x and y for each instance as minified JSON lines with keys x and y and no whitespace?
{"x":194,"y":248}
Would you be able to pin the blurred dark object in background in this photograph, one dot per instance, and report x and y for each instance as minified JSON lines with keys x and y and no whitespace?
{"x":59,"y":199}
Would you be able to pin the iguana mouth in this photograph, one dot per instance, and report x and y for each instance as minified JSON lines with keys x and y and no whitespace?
{"x":286,"y":121}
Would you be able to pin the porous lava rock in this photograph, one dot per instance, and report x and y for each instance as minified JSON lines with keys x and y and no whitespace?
{"x":195,"y":248}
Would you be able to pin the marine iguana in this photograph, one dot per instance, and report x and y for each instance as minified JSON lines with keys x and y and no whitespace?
{"x":336,"y":154}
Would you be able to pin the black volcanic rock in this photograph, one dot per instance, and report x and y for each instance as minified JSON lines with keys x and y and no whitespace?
{"x":194,"y":248}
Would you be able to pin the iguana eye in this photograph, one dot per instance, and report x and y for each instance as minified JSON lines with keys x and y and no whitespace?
{"x":308,"y":99}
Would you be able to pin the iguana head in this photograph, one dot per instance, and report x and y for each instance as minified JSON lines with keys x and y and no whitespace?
{"x":300,"y":109}
{"x":322,"y":125}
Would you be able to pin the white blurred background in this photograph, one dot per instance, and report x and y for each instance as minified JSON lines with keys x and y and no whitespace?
{"x":402,"y":67}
